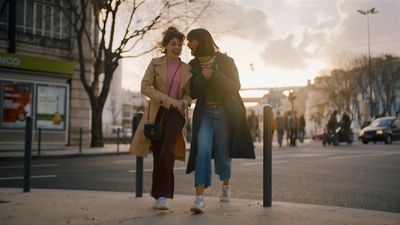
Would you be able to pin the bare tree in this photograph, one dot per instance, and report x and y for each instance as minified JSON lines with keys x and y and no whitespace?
{"x":338,"y":88}
{"x":388,"y":81}
{"x":113,"y":29}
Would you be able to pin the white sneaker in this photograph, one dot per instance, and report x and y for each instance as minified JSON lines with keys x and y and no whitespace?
{"x":161,"y":204}
{"x":198,"y":205}
{"x":226,"y":193}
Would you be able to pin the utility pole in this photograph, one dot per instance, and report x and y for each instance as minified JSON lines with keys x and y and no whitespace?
{"x":371,"y":103}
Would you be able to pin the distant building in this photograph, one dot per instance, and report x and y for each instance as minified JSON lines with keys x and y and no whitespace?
{"x":120,"y":107}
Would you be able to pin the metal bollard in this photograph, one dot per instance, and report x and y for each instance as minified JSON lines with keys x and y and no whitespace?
{"x":118,"y":130}
{"x":28,"y":154}
{"x":40,"y":141}
{"x":139,"y":160}
{"x":267,"y":160}
{"x":80,"y":140}
{"x":139,"y":176}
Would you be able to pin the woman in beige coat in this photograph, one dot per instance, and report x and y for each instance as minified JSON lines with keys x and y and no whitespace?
{"x":167,"y":83}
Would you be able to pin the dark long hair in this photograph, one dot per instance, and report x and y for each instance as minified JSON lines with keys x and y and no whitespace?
{"x":168,"y":35}
{"x":207,"y":46}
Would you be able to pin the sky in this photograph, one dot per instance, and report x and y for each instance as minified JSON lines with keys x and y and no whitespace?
{"x":280,"y":43}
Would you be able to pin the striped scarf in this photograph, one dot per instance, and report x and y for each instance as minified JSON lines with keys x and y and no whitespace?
{"x":206,"y":61}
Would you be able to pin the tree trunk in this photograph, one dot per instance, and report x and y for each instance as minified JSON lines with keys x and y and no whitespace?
{"x":97,"y":132}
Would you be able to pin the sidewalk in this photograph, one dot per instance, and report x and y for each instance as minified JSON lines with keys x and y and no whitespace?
{"x":59,"y":207}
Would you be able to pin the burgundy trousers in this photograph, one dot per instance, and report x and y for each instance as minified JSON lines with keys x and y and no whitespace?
{"x":163,"y":155}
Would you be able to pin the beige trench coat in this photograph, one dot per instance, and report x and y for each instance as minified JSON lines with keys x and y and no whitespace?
{"x":157,"y":69}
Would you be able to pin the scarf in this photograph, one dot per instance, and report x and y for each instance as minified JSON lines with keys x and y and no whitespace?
{"x":206,"y":61}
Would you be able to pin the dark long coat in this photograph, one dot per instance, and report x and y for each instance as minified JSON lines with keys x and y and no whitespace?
{"x":225,"y":79}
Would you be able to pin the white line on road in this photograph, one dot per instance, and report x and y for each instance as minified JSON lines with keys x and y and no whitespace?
{"x":32,"y":177}
{"x":364,"y":155}
{"x":260,"y":163}
{"x":151,"y":170}
{"x":34,"y":166}
{"x":130,"y":161}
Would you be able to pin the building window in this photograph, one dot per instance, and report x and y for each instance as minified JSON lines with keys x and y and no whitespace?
{"x":43,"y":22}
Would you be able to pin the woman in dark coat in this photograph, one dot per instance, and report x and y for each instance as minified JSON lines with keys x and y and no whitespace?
{"x":220,"y":128}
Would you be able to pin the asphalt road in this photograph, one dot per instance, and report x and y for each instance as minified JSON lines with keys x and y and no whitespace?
{"x":357,"y":176}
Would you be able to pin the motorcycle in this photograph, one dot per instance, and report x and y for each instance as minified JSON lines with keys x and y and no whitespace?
{"x":340,"y":134}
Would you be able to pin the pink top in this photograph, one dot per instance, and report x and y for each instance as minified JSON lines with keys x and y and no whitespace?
{"x":171,"y":68}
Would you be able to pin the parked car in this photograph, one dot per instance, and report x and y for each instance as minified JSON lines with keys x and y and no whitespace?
{"x":385,"y":129}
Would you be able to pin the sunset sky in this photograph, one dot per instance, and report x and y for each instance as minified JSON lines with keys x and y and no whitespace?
{"x":288,"y":42}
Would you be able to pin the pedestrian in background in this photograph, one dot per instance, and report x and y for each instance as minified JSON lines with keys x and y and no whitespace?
{"x":280,"y":127}
{"x":167,"y":84}
{"x":252,"y":120}
{"x":302,"y":128}
{"x":220,"y":128}
{"x":292,"y":128}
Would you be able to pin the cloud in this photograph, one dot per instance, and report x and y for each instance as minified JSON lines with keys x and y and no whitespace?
{"x":231,"y":18}
{"x":282,"y":53}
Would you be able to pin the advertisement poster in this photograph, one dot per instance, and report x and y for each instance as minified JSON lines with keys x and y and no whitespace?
{"x":16,"y":104}
{"x":51,"y":104}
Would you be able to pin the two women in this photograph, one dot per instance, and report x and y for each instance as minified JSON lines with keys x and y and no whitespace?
{"x":220,"y":128}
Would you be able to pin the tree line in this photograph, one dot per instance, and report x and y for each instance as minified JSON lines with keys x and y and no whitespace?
{"x":347,"y":89}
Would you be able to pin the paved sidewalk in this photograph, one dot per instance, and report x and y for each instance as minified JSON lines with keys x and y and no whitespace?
{"x":60,"y":207}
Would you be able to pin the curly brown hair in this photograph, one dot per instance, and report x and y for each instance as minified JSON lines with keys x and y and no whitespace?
{"x":168,"y":35}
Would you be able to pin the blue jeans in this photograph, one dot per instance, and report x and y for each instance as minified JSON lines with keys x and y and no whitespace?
{"x":213,"y":138}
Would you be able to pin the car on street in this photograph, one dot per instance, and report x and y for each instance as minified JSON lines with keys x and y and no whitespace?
{"x":386,"y":129}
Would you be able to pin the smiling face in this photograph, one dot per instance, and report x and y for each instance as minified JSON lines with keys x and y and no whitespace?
{"x":174,"y":48}
{"x":192,"y":44}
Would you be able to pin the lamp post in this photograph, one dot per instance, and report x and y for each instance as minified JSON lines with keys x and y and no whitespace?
{"x":292,"y":97}
{"x":367,"y":13}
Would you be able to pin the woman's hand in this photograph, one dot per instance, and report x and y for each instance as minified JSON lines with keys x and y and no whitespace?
{"x":178,"y":105}
{"x":207,"y":72}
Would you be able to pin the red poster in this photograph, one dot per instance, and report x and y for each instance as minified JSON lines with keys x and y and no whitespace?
{"x":16,"y":103}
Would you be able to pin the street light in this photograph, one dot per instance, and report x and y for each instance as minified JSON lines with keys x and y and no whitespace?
{"x":367,"y":12}
{"x":292,"y":97}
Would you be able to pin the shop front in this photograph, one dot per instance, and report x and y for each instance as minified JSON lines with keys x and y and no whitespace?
{"x":36,"y":87}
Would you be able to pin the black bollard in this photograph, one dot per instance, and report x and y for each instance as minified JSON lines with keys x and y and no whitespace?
{"x":118,"y":130}
{"x":40,"y":141}
{"x":28,"y":154}
{"x":139,"y":176}
{"x":267,"y":157}
{"x":80,"y":140}
{"x":139,"y":160}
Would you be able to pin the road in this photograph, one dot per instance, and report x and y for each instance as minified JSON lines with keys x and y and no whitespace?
{"x":357,"y":176}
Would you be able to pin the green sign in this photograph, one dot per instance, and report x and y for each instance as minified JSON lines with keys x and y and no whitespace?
{"x":36,"y":64}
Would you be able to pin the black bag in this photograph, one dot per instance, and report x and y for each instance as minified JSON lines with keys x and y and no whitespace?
{"x":154,"y":131}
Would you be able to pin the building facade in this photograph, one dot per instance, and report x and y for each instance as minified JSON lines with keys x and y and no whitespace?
{"x":39,"y":76}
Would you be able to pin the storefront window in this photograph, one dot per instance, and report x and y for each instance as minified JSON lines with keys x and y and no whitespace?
{"x":16,"y":103}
